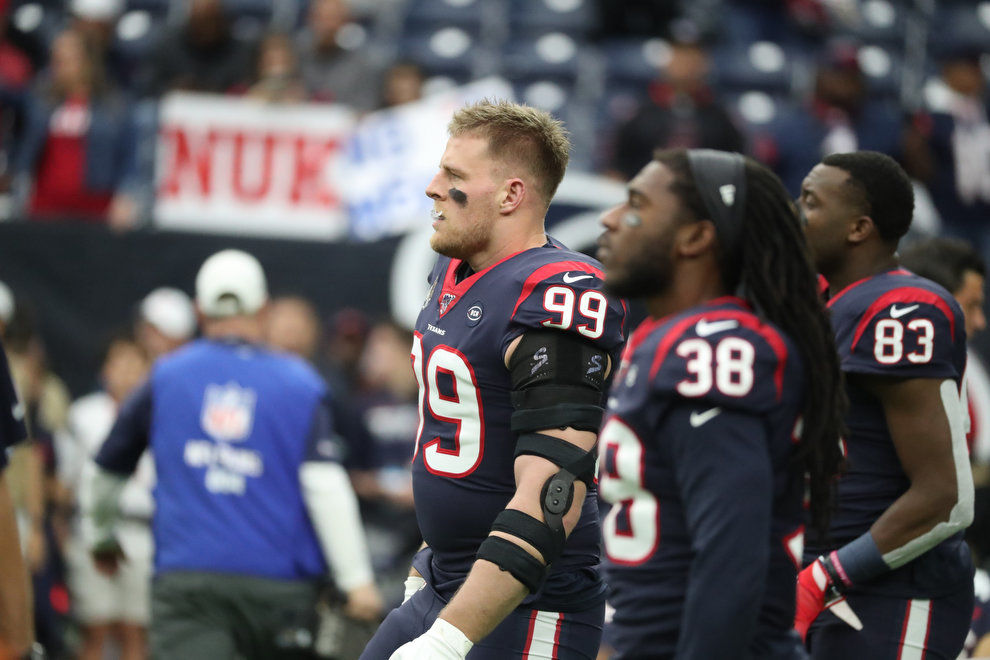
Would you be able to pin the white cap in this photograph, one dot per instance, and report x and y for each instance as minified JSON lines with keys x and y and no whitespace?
{"x":97,"y":10}
{"x":171,"y":311}
{"x":6,"y":303}
{"x":230,"y":283}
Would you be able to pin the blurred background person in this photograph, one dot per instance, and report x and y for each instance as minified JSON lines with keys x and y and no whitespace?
{"x":77,"y":152}
{"x":838,"y":116}
{"x":331,"y":72}
{"x":682,"y":110}
{"x":166,"y":319}
{"x":953,"y":158}
{"x":387,"y":402}
{"x":403,"y":84}
{"x":292,"y":324}
{"x":277,"y":74}
{"x":113,"y":611}
{"x":31,"y":476}
{"x":97,"y":20}
{"x":202,"y":54}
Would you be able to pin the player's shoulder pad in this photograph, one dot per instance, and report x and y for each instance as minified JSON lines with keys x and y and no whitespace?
{"x":559,"y":289}
{"x":895,"y":325}
{"x":724,"y":356}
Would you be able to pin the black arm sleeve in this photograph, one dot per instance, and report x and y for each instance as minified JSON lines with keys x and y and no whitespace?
{"x":725,"y":479}
{"x":129,"y":436}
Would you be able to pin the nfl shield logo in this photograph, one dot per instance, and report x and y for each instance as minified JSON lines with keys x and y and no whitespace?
{"x":228,"y":411}
{"x":445,"y":301}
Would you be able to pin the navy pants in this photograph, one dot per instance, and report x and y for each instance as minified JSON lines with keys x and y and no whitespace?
{"x":895,"y":628}
{"x":525,"y":634}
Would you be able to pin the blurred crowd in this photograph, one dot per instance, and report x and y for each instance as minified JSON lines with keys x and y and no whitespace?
{"x":787,"y":81}
{"x":82,"y":613}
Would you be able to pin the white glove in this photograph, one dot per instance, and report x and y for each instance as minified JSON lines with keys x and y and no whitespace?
{"x":443,"y":641}
{"x":413,"y":584}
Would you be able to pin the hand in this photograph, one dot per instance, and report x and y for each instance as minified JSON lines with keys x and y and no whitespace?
{"x":107,"y":556}
{"x":413,"y":584}
{"x":443,"y":641}
{"x":123,"y":212}
{"x":812,"y":584}
{"x":364,"y":603}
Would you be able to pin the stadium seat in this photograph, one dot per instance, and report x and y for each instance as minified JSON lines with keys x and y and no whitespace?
{"x":762,"y":65}
{"x":634,"y":62}
{"x":447,"y":51}
{"x":468,"y":15}
{"x":961,"y":24}
{"x":883,"y":70}
{"x":573,"y":17}
{"x":881,"y":22}
{"x":551,"y":56}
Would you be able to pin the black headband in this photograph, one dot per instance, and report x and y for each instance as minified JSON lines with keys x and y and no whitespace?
{"x":720,"y":178}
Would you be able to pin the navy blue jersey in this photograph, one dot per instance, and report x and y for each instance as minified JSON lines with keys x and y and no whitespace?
{"x":12,"y":428}
{"x":704,"y":536}
{"x":229,"y":425}
{"x":899,"y":325}
{"x":463,"y":467}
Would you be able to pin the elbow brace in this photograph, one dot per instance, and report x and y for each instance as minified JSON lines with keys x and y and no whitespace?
{"x":557,"y":381}
{"x":555,"y":499}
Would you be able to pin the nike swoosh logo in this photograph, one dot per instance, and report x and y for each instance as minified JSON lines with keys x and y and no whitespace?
{"x":896,"y":313}
{"x":569,"y":279}
{"x":699,"y":418}
{"x":704,"y":328}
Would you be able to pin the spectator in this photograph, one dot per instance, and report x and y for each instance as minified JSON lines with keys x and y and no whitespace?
{"x":345,"y":344}
{"x":113,"y":607}
{"x":16,"y":71}
{"x":387,"y":402}
{"x":78,"y":150}
{"x":278,"y":77}
{"x":403,"y":84}
{"x":166,"y":320}
{"x":293,"y":325}
{"x":838,"y":117}
{"x":681,"y":112}
{"x":96,"y":20}
{"x":953,"y":157}
{"x":332,"y":72}
{"x":202,"y":55}
{"x":251,"y":504}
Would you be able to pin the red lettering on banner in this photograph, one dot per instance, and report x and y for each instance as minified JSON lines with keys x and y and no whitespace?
{"x":311,"y":159}
{"x":263,"y":182}
{"x":185,"y":161}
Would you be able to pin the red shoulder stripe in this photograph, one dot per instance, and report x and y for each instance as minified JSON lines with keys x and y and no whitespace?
{"x":907,"y":294}
{"x":549,"y":270}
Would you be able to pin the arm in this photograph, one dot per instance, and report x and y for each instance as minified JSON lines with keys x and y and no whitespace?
{"x":489,"y":594}
{"x":16,"y":618}
{"x":725,"y":481}
{"x":925,"y":419}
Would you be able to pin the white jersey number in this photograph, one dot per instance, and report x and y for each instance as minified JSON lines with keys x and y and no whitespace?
{"x":632,"y":527}
{"x":460,"y":405}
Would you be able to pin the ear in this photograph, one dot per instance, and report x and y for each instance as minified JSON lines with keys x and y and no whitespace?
{"x":512,"y":195}
{"x":694,"y":239}
{"x":861,"y":229}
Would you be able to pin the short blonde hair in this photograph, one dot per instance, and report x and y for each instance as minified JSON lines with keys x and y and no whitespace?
{"x":521,"y":136}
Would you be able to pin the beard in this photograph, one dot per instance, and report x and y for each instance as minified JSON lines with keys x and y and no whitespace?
{"x":646,"y":273}
{"x":460,"y":242}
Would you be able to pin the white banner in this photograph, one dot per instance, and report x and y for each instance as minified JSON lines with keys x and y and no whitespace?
{"x":231,"y":165}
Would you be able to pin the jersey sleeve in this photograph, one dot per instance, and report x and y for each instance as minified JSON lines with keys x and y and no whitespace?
{"x":725,"y":481}
{"x":568,"y":296}
{"x":730,"y":361}
{"x":129,"y":436}
{"x":12,"y":427}
{"x":324,"y":442}
{"x":916,"y":338}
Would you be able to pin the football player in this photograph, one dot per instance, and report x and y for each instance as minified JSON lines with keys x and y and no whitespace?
{"x":895,"y":549}
{"x":512,"y":350}
{"x":703,"y":452}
